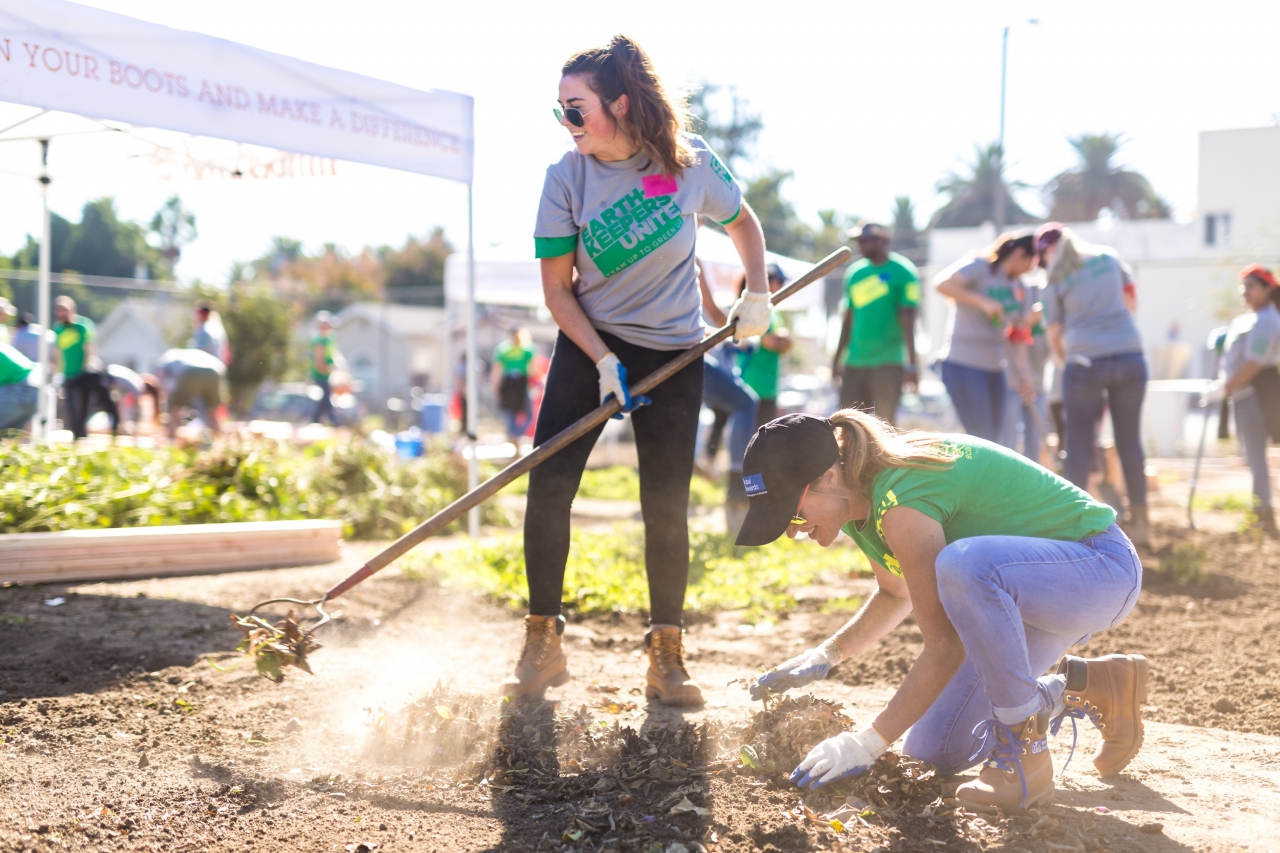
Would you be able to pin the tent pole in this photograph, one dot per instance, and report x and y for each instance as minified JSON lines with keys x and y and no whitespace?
{"x":46,"y":408}
{"x":473,"y":415}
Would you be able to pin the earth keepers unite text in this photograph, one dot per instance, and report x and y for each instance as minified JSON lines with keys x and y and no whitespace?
{"x":88,"y":67}
{"x":629,"y":229}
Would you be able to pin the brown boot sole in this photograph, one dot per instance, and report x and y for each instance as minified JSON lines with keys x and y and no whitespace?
{"x":1141,"y":672}
{"x":556,"y":681}
{"x":685,"y":699}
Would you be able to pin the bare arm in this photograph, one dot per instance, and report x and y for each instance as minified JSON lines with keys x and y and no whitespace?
{"x":1057,"y":345}
{"x":748,"y":239}
{"x":1246,"y":374}
{"x":955,"y":289}
{"x":495,"y":377}
{"x":882,"y":612}
{"x":846,"y":330}
{"x":916,"y":540}
{"x":557,"y":291}
{"x":779,"y":341}
{"x":709,"y":306}
{"x":317,"y":356}
{"x":907,"y":320}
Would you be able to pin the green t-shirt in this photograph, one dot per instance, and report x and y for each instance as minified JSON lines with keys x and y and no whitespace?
{"x":514,"y":358}
{"x":330,"y":348}
{"x":14,"y":366}
{"x":875,"y":294}
{"x":988,"y":491}
{"x":759,"y":366}
{"x":72,"y":340}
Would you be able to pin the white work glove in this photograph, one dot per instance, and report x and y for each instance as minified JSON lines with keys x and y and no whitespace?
{"x":840,"y":757}
{"x":613,"y":383}
{"x":812,"y":665}
{"x":752,"y":313}
{"x":1213,"y":395}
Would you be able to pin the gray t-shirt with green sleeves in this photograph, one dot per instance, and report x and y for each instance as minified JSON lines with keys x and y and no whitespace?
{"x":632,"y":230}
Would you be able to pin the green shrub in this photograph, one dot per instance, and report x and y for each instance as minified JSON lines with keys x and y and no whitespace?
{"x":375,"y":495}
{"x":1183,"y":565}
{"x":605,"y":571}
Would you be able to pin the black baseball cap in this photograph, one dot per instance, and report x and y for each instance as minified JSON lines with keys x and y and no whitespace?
{"x":871,"y":231}
{"x":775,"y":271}
{"x":783,"y":457}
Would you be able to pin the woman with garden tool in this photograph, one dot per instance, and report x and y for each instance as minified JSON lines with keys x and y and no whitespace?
{"x":1250,"y":380}
{"x":1003,"y":564}
{"x":620,"y":207}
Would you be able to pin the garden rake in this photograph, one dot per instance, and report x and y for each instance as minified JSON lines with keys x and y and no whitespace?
{"x":287,"y":643}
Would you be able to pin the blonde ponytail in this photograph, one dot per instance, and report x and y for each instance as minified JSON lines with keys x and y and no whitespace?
{"x":1069,"y":257}
{"x":869,"y":445}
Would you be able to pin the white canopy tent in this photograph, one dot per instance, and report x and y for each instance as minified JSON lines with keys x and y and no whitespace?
{"x":509,"y":275}
{"x":57,"y":55}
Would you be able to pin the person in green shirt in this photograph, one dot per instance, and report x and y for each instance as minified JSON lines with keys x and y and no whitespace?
{"x":1004,"y":566}
{"x":509,"y":374}
{"x":324,"y":361}
{"x":17,"y":397}
{"x":758,"y":362}
{"x":882,"y":293}
{"x":84,"y":385}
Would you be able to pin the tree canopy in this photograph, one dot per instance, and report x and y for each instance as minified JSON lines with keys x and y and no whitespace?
{"x":1096,"y":183}
{"x":972,"y":193}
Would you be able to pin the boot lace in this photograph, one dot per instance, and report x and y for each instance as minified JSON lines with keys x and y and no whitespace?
{"x":1001,"y":746}
{"x":1082,"y":711}
{"x":536,"y":638}
{"x":668,"y":653}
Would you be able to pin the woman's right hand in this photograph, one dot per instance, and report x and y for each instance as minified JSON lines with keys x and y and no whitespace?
{"x":994,"y":311}
{"x":804,"y":668}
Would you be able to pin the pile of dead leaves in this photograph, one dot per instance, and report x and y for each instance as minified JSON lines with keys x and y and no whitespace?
{"x":272,"y":648}
{"x":778,"y":738}
{"x":440,"y":730}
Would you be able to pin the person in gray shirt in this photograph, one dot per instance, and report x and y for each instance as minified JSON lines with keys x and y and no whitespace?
{"x":1088,"y":305}
{"x":985,"y":300}
{"x":621,"y":210}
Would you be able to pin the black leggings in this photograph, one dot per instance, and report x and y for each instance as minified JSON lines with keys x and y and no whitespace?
{"x":665,"y":431}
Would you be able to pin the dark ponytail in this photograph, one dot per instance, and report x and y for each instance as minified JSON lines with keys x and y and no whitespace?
{"x":655,"y":118}
{"x":1006,"y":244}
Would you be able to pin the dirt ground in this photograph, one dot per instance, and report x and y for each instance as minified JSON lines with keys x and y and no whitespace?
{"x":118,"y":734}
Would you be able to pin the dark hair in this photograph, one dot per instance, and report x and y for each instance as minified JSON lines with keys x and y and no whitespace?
{"x":1006,"y":244}
{"x":1273,"y":293}
{"x":24,"y":320}
{"x":204,"y":305}
{"x":655,"y":118}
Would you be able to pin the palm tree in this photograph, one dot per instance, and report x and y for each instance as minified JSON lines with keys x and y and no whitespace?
{"x":905,"y":235}
{"x":973,"y":196}
{"x":1096,"y":182}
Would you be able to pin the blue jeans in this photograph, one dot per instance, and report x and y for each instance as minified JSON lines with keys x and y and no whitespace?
{"x":1252,"y":430}
{"x":517,"y":422}
{"x":17,"y":404}
{"x":721,"y":389}
{"x":1120,"y":381}
{"x":1018,"y":604}
{"x":1017,"y":413}
{"x":978,"y":396}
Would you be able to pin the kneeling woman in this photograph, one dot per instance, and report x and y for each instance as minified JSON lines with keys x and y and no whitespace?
{"x":1004,"y":565}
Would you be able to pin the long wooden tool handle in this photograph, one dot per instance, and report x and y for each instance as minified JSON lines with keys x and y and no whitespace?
{"x":581,"y":427}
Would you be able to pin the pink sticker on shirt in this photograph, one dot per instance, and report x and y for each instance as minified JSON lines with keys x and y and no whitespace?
{"x":656,"y":185}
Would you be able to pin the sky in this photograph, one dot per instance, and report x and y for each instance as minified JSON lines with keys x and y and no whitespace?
{"x":862,"y":101}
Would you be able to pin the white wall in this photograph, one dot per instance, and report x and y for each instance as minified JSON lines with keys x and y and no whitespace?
{"x":1240,"y":176}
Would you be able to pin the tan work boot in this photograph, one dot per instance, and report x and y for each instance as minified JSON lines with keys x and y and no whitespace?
{"x":1109,"y":692}
{"x":1018,"y":773}
{"x":1137,"y":527}
{"x":542,"y":662}
{"x":667,"y":680}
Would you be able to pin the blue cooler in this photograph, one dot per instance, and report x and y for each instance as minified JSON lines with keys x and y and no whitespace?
{"x":409,"y":444}
{"x":434,"y":417}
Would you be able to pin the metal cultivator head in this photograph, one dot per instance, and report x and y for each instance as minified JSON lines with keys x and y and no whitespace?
{"x":273,"y":647}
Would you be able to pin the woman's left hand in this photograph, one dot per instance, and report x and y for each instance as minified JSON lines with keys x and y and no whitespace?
{"x":840,"y":757}
{"x":752,"y":313}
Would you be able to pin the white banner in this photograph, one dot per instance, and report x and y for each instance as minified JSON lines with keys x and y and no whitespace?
{"x":77,"y":59}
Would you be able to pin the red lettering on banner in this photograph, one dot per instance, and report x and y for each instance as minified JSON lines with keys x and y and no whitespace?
{"x":57,"y":54}
{"x":31,"y":52}
{"x":292,"y":108}
{"x":91,"y":67}
{"x":183,"y":91}
{"x":137,"y":74}
{"x":76,"y":71}
{"x":5,"y":50}
{"x":153,"y":75}
{"x":406,"y":132}
{"x":116,"y":73}
{"x":335,"y":119}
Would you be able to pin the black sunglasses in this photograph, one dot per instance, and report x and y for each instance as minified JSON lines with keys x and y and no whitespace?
{"x":574,"y":115}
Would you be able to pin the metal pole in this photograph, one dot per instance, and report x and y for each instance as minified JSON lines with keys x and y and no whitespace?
{"x":47,"y":410}
{"x":473,"y":403}
{"x":999,"y":187}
